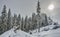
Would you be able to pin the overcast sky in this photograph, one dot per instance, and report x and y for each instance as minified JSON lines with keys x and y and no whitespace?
{"x":27,"y":7}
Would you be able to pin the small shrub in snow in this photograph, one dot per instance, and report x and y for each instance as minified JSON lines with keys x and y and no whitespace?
{"x":45,"y":29}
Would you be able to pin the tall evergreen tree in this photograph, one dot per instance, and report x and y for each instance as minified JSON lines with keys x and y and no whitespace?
{"x":38,"y":16}
{"x":30,"y":23}
{"x":4,"y":14}
{"x":4,"y":19}
{"x":38,"y":7}
{"x":46,"y":21}
{"x":26,"y":22}
{"x":34,"y":21}
{"x":9,"y":20}
{"x":19,"y":21}
{"x":15,"y":20}
{"x":33,"y":16}
{"x":22,"y":24}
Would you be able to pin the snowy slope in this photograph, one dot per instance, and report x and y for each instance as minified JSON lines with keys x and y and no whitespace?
{"x":49,"y":33}
{"x":8,"y":33}
{"x":18,"y":33}
{"x":46,"y":28}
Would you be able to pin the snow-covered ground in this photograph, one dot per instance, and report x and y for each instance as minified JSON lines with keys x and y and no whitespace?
{"x":48,"y":31}
{"x":18,"y":33}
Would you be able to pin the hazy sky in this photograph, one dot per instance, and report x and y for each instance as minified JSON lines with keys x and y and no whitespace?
{"x":27,"y":7}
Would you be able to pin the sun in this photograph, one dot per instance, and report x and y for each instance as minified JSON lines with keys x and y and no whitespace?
{"x":51,"y":7}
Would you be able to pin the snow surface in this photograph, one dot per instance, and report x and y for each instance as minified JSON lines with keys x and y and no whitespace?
{"x":49,"y":32}
{"x":18,"y":33}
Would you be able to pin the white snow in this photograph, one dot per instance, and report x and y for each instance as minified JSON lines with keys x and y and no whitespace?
{"x":49,"y":33}
{"x":8,"y":33}
{"x":18,"y":33}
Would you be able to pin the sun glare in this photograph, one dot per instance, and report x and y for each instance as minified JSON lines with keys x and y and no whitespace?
{"x":51,"y":7}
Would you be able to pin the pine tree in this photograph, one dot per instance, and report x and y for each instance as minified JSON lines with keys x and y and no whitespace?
{"x":33,"y":17}
{"x":38,"y":7}
{"x":26,"y":21}
{"x":46,"y":20}
{"x":38,"y":16}
{"x":34,"y":21}
{"x":22,"y":24}
{"x":30,"y":23}
{"x":4,"y":19}
{"x":19,"y":21}
{"x":15,"y":20}
{"x":4,"y":14}
{"x":9,"y":20}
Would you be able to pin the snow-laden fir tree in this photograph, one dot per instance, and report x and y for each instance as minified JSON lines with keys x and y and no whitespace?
{"x":15,"y":20}
{"x":46,"y":20}
{"x":19,"y":21}
{"x":26,"y":23}
{"x":4,"y":19}
{"x":34,"y":22}
{"x":9,"y":25}
{"x":30,"y":23}
{"x":22,"y":25}
{"x":38,"y":18}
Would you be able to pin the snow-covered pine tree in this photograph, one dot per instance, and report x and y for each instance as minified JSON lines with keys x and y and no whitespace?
{"x":19,"y":21}
{"x":26,"y":23}
{"x":4,"y":19}
{"x":33,"y":17}
{"x":9,"y":26}
{"x":46,"y":20}
{"x":38,"y":16}
{"x":15,"y":20}
{"x":34,"y":21}
{"x":30,"y":23}
{"x":22,"y":27}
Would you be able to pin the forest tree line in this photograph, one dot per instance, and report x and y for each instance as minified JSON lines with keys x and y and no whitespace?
{"x":7,"y":21}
